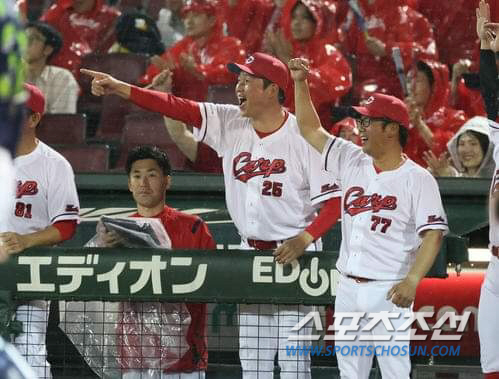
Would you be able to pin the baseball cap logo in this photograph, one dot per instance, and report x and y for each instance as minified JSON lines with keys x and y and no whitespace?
{"x":369,"y":100}
{"x":250,"y":59}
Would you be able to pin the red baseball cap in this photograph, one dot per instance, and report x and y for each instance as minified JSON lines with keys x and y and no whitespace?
{"x":380,"y":105}
{"x":203,"y":6}
{"x":264,"y":66}
{"x":36,"y":99}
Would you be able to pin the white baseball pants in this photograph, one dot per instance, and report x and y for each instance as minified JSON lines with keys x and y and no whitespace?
{"x":488,"y":323}
{"x":31,"y":342}
{"x":370,"y":297}
{"x":263,"y":332}
{"x":157,"y":374}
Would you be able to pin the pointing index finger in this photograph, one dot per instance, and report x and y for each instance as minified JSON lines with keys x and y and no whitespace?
{"x":92,"y":73}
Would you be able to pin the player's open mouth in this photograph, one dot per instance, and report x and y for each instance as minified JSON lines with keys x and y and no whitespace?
{"x":241,"y":100}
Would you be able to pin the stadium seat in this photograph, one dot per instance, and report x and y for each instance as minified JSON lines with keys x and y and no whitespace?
{"x":222,"y":94}
{"x":59,"y":129}
{"x":146,"y":128}
{"x":123,"y":66}
{"x":112,"y":118}
{"x":86,"y":158}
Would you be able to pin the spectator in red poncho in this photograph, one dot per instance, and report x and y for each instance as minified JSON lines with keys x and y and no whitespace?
{"x":433,"y":122}
{"x":308,"y":33}
{"x":201,"y":157}
{"x":465,"y":94}
{"x":273,"y":24}
{"x":245,"y":20}
{"x":454,"y":26}
{"x":198,"y":60}
{"x":87,"y":26}
{"x":388,"y":23}
{"x":347,"y":129}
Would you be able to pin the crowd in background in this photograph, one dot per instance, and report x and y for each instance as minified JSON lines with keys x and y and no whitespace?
{"x":422,"y":51}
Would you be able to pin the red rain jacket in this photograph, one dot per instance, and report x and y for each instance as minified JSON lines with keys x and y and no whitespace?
{"x":83,"y":33}
{"x":455,"y":28}
{"x":246,"y":21}
{"x":470,"y":101}
{"x":395,"y":25}
{"x":443,"y":121}
{"x":330,"y":74}
{"x":211,"y":60}
{"x":186,"y":232}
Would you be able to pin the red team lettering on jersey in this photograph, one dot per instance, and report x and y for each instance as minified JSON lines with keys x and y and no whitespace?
{"x":245,"y":168}
{"x":28,"y":188}
{"x":356,"y":202}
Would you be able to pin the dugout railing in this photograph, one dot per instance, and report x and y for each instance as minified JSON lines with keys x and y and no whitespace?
{"x":464,"y":200}
{"x":221,"y":278}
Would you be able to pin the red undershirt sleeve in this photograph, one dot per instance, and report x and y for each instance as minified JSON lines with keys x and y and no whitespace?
{"x":66,"y":228}
{"x":178,"y":108}
{"x":327,"y":217}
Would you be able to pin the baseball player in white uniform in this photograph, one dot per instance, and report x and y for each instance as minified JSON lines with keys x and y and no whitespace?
{"x":392,"y":222}
{"x":45,"y":212}
{"x":274,"y":185}
{"x":488,"y":324}
{"x":11,"y":102}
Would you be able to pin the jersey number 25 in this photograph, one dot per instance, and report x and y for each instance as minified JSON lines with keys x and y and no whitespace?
{"x":272,"y":188}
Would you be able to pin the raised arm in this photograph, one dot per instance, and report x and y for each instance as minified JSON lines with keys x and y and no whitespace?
{"x":306,"y":115}
{"x":168,"y":105}
{"x":488,"y":70}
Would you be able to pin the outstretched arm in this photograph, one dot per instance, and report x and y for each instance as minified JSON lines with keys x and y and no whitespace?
{"x":306,"y":115}
{"x":168,"y":105}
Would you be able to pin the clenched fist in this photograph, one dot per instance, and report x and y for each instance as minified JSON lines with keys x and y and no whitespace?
{"x":299,"y":68}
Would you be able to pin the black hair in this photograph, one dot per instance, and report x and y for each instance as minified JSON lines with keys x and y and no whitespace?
{"x":483,"y":140}
{"x":423,"y":67}
{"x":310,"y":15}
{"x":148,"y":152}
{"x":281,"y":96}
{"x":52,"y":37}
{"x":403,"y":132}
{"x":403,"y":135}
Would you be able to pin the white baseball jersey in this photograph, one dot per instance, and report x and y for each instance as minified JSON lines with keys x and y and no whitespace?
{"x":45,"y":194}
{"x":488,"y":327}
{"x":7,"y":187}
{"x":383,"y":214}
{"x":272,"y":184}
{"x":494,"y":223}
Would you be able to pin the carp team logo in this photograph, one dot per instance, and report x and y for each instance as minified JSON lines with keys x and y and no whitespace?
{"x":355,"y":202}
{"x":28,"y":188}
{"x":245,"y":168}
{"x":250,"y":59}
